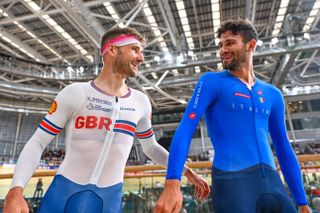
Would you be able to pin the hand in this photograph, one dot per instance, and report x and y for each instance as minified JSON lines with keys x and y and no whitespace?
{"x":304,"y":209}
{"x":15,"y":203}
{"x":202,"y":190}
{"x":170,"y":200}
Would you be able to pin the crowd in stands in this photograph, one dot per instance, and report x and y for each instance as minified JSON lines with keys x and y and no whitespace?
{"x":52,"y":158}
{"x":306,"y":149}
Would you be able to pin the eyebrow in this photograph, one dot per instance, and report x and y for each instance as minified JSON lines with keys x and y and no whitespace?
{"x":229,"y":39}
{"x":137,"y":46}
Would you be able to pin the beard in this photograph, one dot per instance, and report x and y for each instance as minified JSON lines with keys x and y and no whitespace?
{"x":237,"y":59}
{"x":123,"y":66}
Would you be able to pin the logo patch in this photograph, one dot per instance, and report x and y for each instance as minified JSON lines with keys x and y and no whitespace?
{"x":259,"y":92}
{"x":241,"y":95}
{"x":192,"y":115}
{"x":53,"y":107}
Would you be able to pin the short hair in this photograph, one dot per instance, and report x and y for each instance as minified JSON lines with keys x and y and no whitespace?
{"x":120,"y":31}
{"x":239,"y":26}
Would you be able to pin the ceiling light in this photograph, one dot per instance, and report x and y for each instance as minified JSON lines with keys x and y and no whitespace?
{"x":190,"y":53}
{"x":175,"y":72}
{"x":197,"y":69}
{"x":168,"y":57}
{"x":179,"y":58}
{"x":148,"y":13}
{"x":154,"y":75}
{"x":259,"y":42}
{"x":156,"y":58}
{"x":274,"y":40}
{"x":306,"y":36}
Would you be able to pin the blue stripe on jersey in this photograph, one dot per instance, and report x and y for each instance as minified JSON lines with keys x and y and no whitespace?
{"x":144,"y":131}
{"x":126,"y":122}
{"x":52,"y":124}
{"x":124,"y":131}
{"x":147,"y":136}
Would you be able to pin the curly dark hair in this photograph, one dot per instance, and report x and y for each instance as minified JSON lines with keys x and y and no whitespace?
{"x":239,"y":26}
{"x":120,"y":31}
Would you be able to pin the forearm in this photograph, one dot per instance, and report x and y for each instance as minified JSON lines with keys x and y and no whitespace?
{"x":158,"y":154}
{"x":291,"y":172}
{"x":28,"y":161}
{"x":178,"y":152}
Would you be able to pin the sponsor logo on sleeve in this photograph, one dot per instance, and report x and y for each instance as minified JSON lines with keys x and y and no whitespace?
{"x":197,"y":96}
{"x":192,"y":115}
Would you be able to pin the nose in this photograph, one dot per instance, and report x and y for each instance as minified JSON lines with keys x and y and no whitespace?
{"x":140,"y":57}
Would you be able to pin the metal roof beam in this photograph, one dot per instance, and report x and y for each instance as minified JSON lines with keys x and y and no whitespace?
{"x":10,"y":50}
{"x":124,"y":21}
{"x":251,"y":9}
{"x":283,"y":69}
{"x":24,"y":46}
{"x":77,"y":19}
{"x":134,"y":15}
{"x":197,"y":21}
{"x":9,"y":20}
{"x":168,"y":20}
{"x":89,"y":19}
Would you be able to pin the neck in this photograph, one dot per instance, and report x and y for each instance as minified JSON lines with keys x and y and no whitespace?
{"x":111,"y":82}
{"x":245,"y":72}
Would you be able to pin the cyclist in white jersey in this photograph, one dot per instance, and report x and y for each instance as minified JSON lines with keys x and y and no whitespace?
{"x":101,"y":118}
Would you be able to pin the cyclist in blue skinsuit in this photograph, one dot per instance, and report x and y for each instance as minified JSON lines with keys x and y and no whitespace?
{"x":240,"y":110}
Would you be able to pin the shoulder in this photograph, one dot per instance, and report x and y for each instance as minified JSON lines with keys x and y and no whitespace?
{"x":273,"y":90}
{"x":74,"y":87}
{"x":73,"y":91}
{"x":213,"y":76}
{"x":211,"y":81}
{"x":139,"y":96}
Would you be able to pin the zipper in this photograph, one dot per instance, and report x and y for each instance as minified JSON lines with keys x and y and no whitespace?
{"x":263,"y":170}
{"x":255,"y":132}
{"x":106,"y":145}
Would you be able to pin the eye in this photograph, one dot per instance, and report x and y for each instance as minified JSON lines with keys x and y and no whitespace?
{"x":135,"y":49}
{"x":229,"y":43}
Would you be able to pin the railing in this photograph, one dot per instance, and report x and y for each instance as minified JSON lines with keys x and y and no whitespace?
{"x":136,"y":171}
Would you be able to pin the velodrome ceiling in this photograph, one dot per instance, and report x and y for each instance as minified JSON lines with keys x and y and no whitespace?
{"x":47,"y":44}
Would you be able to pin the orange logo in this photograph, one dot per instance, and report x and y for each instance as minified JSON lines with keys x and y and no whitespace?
{"x":53,"y":107}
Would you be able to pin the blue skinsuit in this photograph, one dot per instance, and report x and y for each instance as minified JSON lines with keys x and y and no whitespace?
{"x":238,"y":121}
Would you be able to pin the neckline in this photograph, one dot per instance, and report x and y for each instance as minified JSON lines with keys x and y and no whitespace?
{"x":108,"y":94}
{"x":243,"y":83}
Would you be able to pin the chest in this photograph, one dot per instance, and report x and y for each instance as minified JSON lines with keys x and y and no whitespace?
{"x":106,"y":114}
{"x":240,"y":100}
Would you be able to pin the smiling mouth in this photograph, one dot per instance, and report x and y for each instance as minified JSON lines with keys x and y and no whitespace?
{"x":226,"y":58}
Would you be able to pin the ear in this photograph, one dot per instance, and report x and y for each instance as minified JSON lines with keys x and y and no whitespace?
{"x":251,"y":45}
{"x":111,"y":50}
